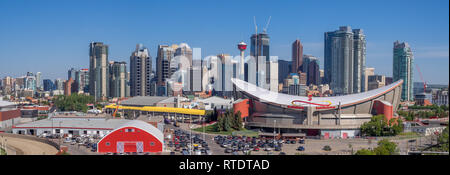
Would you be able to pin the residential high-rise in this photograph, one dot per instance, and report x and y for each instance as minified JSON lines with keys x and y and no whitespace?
{"x":259,"y":50}
{"x":359,"y":60}
{"x":118,"y":79}
{"x":38,"y":80}
{"x":98,"y":70}
{"x":403,"y":68}
{"x":344,"y":53}
{"x":140,"y":72}
{"x":297,"y":57}
{"x":82,"y":80}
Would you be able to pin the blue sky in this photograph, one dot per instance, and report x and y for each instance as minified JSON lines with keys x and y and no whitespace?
{"x":52,"y":36}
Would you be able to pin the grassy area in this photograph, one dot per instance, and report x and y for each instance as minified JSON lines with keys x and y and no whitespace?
{"x":211,"y":129}
{"x":2,"y":152}
{"x":407,"y":135}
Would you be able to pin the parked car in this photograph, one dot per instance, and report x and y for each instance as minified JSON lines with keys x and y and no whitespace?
{"x":277,"y":148}
{"x":301,"y":148}
{"x":67,"y":140}
{"x":282,"y":153}
{"x":326,"y":148}
{"x":301,"y":141}
{"x":256,"y":148}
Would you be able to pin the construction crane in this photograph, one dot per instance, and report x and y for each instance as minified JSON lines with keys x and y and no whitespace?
{"x":421,"y":77}
{"x":267,"y":25}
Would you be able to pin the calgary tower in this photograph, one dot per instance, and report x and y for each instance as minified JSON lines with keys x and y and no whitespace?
{"x":242,"y":46}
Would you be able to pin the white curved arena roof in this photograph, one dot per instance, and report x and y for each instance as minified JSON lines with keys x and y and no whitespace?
{"x":144,"y":126}
{"x":267,"y":96}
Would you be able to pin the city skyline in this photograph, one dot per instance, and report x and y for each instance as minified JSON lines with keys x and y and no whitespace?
{"x":430,"y":46}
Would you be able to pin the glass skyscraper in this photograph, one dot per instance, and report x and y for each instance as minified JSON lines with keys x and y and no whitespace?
{"x":403,"y":69}
{"x":260,"y":48}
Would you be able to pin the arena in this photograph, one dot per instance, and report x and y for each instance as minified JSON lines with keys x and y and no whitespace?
{"x":326,"y":117}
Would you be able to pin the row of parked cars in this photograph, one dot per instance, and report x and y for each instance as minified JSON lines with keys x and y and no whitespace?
{"x":184,"y":142}
{"x":88,"y":142}
{"x":236,"y":144}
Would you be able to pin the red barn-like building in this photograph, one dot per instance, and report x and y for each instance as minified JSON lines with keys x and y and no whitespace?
{"x":133,"y":136}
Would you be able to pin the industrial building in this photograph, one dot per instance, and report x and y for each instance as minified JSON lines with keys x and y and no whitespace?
{"x":9,"y":114}
{"x":328,"y":117}
{"x":132,"y":136}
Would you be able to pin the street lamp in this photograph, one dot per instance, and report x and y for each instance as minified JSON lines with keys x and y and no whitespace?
{"x":60,"y":135}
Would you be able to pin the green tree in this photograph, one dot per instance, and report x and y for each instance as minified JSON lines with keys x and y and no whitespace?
{"x":443,"y":140}
{"x":385,"y":147}
{"x":365,"y":152}
{"x":379,"y":126}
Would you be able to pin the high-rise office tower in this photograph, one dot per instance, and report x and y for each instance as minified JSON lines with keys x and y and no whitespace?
{"x":344,"y":60}
{"x":196,"y":77}
{"x":163,"y":69}
{"x":183,"y":64}
{"x":403,"y":69}
{"x":71,"y":73}
{"x":140,"y":72}
{"x":284,"y":69}
{"x":118,"y":82}
{"x":368,"y":72}
{"x":259,"y":50}
{"x":59,"y":84}
{"x":311,"y":68}
{"x":186,"y":51}
{"x":38,"y":80}
{"x":297,"y":56}
{"x":48,"y":85}
{"x":98,"y":70}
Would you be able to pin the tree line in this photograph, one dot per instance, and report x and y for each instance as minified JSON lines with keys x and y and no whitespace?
{"x":74,"y":102}
{"x":380,"y":126}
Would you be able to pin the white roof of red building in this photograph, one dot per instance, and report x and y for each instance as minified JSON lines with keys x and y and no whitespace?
{"x":144,"y":126}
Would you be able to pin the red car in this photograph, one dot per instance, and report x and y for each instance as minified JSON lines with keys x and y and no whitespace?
{"x":256,"y":149}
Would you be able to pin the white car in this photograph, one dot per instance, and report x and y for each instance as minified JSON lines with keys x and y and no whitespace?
{"x":197,"y":152}
{"x":67,"y":140}
{"x":268,"y":149}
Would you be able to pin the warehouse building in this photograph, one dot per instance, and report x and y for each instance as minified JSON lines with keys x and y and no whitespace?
{"x":9,"y":115}
{"x":74,"y":124}
{"x":132,"y":136}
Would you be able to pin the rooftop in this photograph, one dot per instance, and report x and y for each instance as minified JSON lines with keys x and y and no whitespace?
{"x":109,"y":124}
{"x":143,"y":101}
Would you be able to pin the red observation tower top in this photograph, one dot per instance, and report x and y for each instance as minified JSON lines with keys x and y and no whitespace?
{"x":242,"y":46}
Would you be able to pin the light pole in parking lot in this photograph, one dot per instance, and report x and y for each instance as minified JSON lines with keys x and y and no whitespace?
{"x":60,"y":135}
{"x":274,"y":123}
